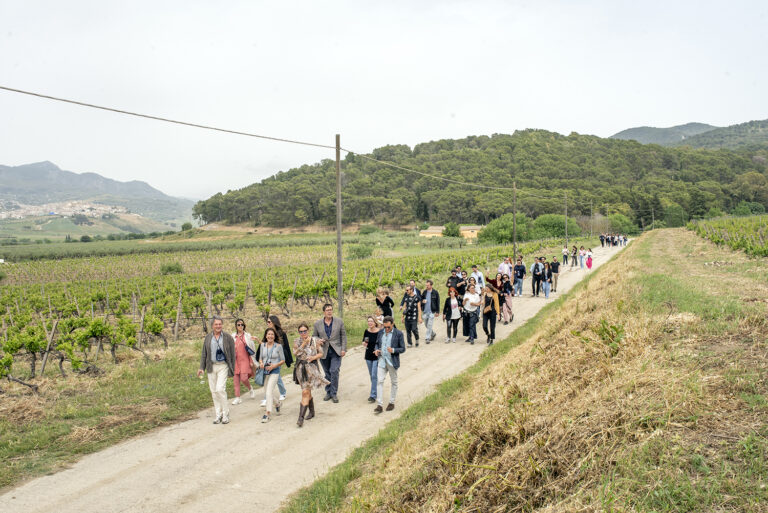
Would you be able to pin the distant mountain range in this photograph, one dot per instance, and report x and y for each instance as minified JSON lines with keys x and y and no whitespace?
{"x":45,"y":182}
{"x":701,"y":135}
{"x":664,"y":136}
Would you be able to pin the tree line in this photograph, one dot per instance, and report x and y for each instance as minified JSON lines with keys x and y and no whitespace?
{"x":644,"y":183}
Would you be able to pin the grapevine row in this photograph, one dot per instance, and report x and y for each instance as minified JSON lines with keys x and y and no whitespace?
{"x":749,"y":234}
{"x":66,"y":320}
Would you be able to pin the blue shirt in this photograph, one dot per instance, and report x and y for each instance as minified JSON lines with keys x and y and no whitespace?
{"x":428,"y":299}
{"x":328,"y":328}
{"x":386,"y":343}
{"x":215,"y":346}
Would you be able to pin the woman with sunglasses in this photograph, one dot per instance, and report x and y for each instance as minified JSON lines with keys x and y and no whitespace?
{"x":244,"y":351}
{"x":307,"y":373}
{"x":271,"y":359}
{"x":507,"y":291}
{"x":274,"y":322}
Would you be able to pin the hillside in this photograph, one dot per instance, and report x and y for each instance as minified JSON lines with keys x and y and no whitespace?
{"x":58,"y":227}
{"x":644,"y":182}
{"x":752,"y":133}
{"x":44,"y":182}
{"x":663,"y":136}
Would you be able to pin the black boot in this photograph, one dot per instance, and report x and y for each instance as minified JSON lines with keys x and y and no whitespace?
{"x":302,"y":411}
{"x":311,"y":407}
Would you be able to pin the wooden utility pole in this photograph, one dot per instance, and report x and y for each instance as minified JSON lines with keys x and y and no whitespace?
{"x":339,"y":284}
{"x":590,"y":218}
{"x":566,"y":218}
{"x":514,"y":220}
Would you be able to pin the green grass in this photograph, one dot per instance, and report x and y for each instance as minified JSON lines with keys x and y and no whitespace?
{"x":675,"y":476}
{"x":143,"y":395}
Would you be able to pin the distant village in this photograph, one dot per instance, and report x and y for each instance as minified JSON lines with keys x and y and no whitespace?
{"x":12,"y":210}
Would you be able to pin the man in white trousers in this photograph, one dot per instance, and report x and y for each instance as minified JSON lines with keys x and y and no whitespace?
{"x":218,"y":360}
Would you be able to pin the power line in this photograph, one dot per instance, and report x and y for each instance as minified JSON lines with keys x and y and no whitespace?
{"x":166,"y":120}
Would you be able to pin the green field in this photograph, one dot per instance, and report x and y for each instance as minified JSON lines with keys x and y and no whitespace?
{"x":56,"y":228}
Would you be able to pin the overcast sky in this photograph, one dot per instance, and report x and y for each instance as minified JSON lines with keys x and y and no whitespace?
{"x":385,"y":72}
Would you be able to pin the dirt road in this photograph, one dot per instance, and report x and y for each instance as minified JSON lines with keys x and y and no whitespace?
{"x":196,"y":466}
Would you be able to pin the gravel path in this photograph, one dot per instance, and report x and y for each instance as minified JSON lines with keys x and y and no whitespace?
{"x":196,"y":466}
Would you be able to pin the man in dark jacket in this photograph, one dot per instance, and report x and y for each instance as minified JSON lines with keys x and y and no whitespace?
{"x":536,"y":272}
{"x":430,"y":307}
{"x":390,"y":344}
{"x":218,"y":360}
{"x":332,"y":330}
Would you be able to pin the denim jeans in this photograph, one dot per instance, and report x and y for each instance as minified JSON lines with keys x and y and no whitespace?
{"x":518,"y":287}
{"x":581,"y":261}
{"x":429,"y":319}
{"x":412,"y":328}
{"x":331,"y":366}
{"x":373,"y":366}
{"x":546,"y":286}
{"x":472,"y":321}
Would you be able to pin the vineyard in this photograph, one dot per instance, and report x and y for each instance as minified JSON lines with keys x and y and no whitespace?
{"x":71,"y":311}
{"x":749,"y":234}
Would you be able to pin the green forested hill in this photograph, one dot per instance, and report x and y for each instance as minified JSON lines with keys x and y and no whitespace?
{"x":752,"y":133}
{"x":664,"y":136}
{"x":617,"y":176}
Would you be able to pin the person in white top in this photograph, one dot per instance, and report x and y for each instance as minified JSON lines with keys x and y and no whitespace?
{"x":471,"y":305}
{"x":505,"y":267}
{"x":451,"y":314}
{"x":565,"y":255}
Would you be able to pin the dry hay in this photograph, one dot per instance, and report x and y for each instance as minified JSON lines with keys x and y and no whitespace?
{"x":131,"y":413}
{"x":20,"y":410}
{"x":540,"y":428}
{"x":84,"y":435}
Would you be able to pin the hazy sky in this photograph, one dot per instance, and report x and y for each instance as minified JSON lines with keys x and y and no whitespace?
{"x":386,"y":72}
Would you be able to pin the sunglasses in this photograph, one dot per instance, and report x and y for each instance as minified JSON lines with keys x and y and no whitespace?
{"x":303,"y":331}
{"x":240,"y":324}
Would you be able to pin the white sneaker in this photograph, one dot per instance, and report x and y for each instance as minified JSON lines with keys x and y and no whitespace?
{"x":448,"y":340}
{"x":253,"y":394}
{"x":282,"y":398}
{"x":263,"y":403}
{"x":265,"y":419}
{"x":237,"y":401}
{"x":225,"y":418}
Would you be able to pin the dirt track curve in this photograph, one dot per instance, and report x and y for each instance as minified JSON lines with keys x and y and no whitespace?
{"x":196,"y":466}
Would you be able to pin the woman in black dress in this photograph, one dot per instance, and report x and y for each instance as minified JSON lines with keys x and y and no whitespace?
{"x":384,"y":302}
{"x":371,"y":360}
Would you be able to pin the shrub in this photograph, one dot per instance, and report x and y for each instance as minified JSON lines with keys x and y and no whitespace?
{"x":451,"y":230}
{"x":186,"y":226}
{"x":359,"y":251}
{"x":86,"y":238}
{"x":171,"y":268}
{"x":368,"y":229}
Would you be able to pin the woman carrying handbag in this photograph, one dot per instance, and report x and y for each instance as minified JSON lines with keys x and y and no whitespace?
{"x":307,"y":373}
{"x":244,"y":361}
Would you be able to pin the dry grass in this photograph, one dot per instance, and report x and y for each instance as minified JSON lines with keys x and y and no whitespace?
{"x":596,"y":412}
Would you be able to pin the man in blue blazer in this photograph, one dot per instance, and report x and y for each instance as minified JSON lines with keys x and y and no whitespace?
{"x":389,"y":345}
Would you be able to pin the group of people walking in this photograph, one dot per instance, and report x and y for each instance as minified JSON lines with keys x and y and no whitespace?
{"x":471,"y":297}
